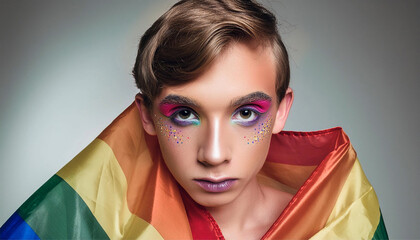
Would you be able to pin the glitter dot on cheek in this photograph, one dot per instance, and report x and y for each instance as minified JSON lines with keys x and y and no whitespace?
{"x":168,"y":131}
{"x":261,"y":131}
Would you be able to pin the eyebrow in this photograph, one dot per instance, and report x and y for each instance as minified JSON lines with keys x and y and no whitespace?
{"x":252,"y":97}
{"x":177,"y":99}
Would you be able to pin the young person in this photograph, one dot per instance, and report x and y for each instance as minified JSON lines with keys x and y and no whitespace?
{"x":201,"y":153}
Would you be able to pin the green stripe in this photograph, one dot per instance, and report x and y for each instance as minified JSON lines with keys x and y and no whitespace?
{"x":56,"y":211}
{"x":380,"y":232}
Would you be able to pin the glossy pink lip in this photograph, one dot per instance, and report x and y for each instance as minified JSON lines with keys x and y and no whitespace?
{"x":215,"y":186}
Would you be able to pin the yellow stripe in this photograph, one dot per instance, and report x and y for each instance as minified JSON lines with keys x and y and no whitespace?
{"x":356,"y":213}
{"x":96,"y":176}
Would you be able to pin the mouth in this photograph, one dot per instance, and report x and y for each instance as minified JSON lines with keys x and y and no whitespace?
{"x":215,"y":186}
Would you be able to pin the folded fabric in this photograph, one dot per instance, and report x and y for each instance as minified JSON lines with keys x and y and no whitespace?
{"x":118,"y":187}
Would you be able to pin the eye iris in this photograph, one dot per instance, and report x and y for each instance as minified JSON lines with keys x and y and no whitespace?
{"x":184,"y":114}
{"x":245,"y":114}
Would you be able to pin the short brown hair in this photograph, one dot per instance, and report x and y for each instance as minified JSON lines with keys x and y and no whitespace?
{"x":185,"y":40}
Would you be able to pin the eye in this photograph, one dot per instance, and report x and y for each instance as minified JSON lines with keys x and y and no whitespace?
{"x":185,"y":117}
{"x":245,"y":116}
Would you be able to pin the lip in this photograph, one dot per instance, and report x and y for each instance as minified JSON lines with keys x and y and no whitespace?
{"x":215,"y":186}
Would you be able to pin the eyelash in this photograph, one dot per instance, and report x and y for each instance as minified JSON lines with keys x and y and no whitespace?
{"x":246,"y":123}
{"x":176,"y":119}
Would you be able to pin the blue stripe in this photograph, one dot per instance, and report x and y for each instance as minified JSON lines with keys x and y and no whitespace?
{"x":16,"y":228}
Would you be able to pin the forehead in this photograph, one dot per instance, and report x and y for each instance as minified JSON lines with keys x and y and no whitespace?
{"x":240,"y":70}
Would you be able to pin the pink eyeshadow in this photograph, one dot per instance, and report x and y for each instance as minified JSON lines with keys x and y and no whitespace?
{"x":261,"y":105}
{"x":168,"y":109}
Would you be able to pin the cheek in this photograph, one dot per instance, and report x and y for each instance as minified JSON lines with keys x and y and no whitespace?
{"x":169,"y":132}
{"x":260,"y":132}
{"x":175,"y":146}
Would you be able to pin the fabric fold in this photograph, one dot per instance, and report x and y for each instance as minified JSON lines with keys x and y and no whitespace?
{"x":119,"y":187}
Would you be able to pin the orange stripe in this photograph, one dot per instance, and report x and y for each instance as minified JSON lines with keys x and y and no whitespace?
{"x":152,"y":192}
{"x":310,"y":208}
{"x":291,"y":175}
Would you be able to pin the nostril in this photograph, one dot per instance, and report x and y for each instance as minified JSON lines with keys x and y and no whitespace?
{"x":204,"y":164}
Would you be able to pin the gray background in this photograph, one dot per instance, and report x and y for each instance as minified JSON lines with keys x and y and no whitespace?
{"x":65,"y":75}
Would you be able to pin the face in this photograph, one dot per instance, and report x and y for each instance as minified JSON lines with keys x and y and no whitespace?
{"x":214,"y":132}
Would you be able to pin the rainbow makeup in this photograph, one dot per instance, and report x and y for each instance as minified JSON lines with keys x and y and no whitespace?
{"x":177,"y":114}
{"x":252,"y":114}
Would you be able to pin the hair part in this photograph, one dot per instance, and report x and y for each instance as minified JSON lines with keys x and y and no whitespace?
{"x":186,"y":39}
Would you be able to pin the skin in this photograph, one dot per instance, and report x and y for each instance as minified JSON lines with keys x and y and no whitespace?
{"x":217,"y":116}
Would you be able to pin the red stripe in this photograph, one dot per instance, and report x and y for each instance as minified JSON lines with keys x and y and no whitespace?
{"x":202,"y":224}
{"x":305,"y":148}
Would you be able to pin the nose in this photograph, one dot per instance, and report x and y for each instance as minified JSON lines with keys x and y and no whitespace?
{"x":214,"y":149}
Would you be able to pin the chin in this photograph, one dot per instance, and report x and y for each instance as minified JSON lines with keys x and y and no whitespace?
{"x":212,"y":200}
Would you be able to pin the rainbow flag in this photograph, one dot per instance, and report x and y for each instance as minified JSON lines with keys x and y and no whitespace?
{"x":119,"y":188}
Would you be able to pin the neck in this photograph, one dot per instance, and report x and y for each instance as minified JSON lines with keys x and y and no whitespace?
{"x":242,"y":213}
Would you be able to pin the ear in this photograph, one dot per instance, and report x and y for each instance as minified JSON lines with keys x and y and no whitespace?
{"x":283,"y":111}
{"x":145,"y":116}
